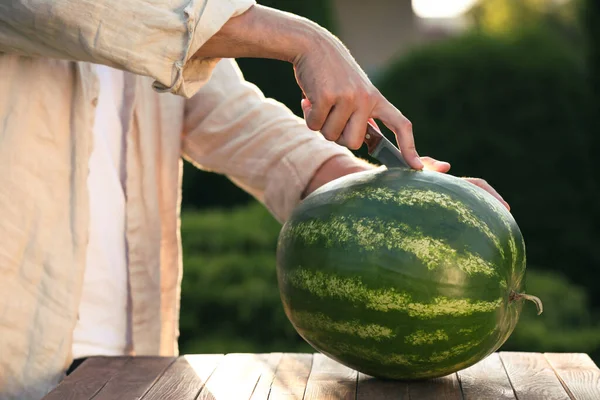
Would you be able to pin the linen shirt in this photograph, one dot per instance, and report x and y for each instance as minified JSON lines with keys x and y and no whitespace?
{"x":176,"y":105}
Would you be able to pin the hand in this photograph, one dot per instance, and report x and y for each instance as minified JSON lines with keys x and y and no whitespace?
{"x":341,"y":96}
{"x":488,"y":188}
{"x":443,"y":167}
{"x":340,"y":99}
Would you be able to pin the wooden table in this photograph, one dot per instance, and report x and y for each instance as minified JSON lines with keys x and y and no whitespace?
{"x":505,"y":375}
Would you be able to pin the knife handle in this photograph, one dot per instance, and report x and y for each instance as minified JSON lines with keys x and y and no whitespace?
{"x":372,"y":138}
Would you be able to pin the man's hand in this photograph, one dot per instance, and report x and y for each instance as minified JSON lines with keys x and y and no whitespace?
{"x":340,"y":166}
{"x":341,"y":98}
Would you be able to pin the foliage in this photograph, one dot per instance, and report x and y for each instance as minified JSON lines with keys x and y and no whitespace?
{"x":515,"y":111}
{"x":231,"y":303}
{"x":276,"y":80}
{"x":567,"y":324}
{"x":591,"y":13}
{"x":230,"y":299}
{"x":510,"y":16}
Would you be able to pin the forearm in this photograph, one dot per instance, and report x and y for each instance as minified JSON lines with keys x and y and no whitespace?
{"x":335,"y":168}
{"x":262,"y":32}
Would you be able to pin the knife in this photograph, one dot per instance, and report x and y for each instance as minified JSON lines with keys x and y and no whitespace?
{"x":381,"y":149}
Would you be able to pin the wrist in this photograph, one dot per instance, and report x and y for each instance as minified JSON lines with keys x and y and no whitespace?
{"x":262,"y":32}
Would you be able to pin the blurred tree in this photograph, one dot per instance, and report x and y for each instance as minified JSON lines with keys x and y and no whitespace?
{"x":509,"y":16}
{"x":592,"y":28}
{"x":515,"y":111}
{"x":276,"y":79}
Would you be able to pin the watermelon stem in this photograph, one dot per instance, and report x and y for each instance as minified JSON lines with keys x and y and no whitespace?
{"x":515,"y":296}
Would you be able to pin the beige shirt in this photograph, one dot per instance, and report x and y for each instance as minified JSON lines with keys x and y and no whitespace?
{"x":207,"y":113}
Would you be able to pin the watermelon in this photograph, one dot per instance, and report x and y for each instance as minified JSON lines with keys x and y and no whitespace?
{"x":402,"y":274}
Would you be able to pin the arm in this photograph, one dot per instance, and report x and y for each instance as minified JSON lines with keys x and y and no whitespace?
{"x":179,"y":42}
{"x":340,"y":96}
{"x":232,"y":129}
{"x":146,"y":37}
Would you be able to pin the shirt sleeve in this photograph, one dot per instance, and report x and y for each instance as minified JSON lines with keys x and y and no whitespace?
{"x":232,"y":129}
{"x":154,"y":38}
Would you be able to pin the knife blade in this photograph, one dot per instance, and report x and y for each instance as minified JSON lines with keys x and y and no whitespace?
{"x":381,"y":149}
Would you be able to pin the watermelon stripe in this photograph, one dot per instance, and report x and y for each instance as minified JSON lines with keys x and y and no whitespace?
{"x":321,"y":322}
{"x":414,"y":360}
{"x":420,"y":197}
{"x":352,"y":289}
{"x":501,"y":212}
{"x":369,"y":234}
{"x":421,"y":337}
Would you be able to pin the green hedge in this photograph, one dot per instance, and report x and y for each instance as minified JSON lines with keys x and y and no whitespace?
{"x":591,"y":16}
{"x":230,"y":299}
{"x":515,"y":111}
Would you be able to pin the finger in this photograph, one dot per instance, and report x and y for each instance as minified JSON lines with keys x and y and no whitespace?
{"x":488,"y":188}
{"x":432,"y":164}
{"x":354,"y":133}
{"x":336,"y":121}
{"x":402,"y":128}
{"x":371,"y":120}
{"x":317,"y":113}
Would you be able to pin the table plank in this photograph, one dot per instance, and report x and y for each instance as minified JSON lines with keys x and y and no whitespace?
{"x":87,"y":380}
{"x":291,"y":377}
{"x":135,"y":378}
{"x":578,"y":373}
{"x":486,"y":380}
{"x":236,"y":377}
{"x":263,"y":387}
{"x":532,"y":377}
{"x":370,"y":388}
{"x":329,"y":379}
{"x":184,"y":378}
{"x":444,"y":388}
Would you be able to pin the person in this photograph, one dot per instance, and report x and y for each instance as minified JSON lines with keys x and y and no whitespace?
{"x":99,"y":102}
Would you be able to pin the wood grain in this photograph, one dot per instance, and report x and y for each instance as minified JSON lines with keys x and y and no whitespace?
{"x":288,"y":376}
{"x":87,"y":380}
{"x":236,"y":377}
{"x":184,"y":378}
{"x":135,"y":378}
{"x":444,"y":388}
{"x":486,"y":380}
{"x":291,"y":377}
{"x":578,"y":374}
{"x":330,"y":380}
{"x":370,"y":388}
{"x":263,"y":387}
{"x":532,"y":377}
